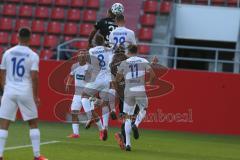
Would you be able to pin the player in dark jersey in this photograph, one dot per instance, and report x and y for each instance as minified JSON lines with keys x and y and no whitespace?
{"x":104,"y":27}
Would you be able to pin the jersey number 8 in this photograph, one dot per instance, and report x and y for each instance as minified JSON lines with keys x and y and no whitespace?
{"x":102,"y":63}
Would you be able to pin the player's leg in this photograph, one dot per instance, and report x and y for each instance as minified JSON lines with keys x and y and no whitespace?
{"x":75,"y":109}
{"x":103,"y":95}
{"x":8,"y":112}
{"x":29,"y":113}
{"x":112,"y":102}
{"x":142,"y":103}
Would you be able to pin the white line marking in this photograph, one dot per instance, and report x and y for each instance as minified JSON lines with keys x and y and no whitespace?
{"x":26,"y":146}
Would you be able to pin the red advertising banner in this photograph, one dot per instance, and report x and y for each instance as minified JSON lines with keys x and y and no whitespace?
{"x":182,"y":101}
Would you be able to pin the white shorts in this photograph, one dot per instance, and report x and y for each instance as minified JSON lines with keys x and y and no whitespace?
{"x":100,"y":85}
{"x":11,"y":103}
{"x":131,"y":102}
{"x":76,"y":103}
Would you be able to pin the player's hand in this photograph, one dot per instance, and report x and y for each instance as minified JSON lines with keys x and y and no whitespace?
{"x":37,"y":101}
{"x":67,"y":88}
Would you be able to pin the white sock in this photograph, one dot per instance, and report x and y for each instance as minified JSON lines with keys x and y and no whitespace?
{"x":141,"y":115}
{"x":75,"y":128}
{"x":3,"y":138}
{"x":112,"y":97}
{"x":99,"y":124}
{"x":35,"y":138}
{"x":105,"y":116}
{"x":128,"y":129}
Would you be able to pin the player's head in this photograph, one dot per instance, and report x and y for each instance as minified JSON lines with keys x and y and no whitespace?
{"x":120,"y":50}
{"x":24,"y":35}
{"x":110,"y":14}
{"x":82,"y":57}
{"x":120,"y":20}
{"x":117,"y":8}
{"x":132,"y":49}
{"x":99,"y":40}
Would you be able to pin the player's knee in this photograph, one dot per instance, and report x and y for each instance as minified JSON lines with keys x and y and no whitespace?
{"x":33,"y":123}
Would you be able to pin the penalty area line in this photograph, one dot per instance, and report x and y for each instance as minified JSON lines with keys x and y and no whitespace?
{"x":27,"y":146}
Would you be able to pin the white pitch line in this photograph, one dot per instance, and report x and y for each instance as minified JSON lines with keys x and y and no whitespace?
{"x":26,"y":146}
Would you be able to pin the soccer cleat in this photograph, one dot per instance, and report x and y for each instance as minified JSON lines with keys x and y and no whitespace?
{"x":120,"y":141}
{"x":40,"y":158}
{"x":128,"y":148}
{"x":74,"y":136}
{"x":89,"y":123}
{"x":103,"y":135}
{"x":135,"y":131}
{"x":113,"y":115}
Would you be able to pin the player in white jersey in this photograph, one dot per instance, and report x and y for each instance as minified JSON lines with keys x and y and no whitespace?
{"x":133,"y":70}
{"x":78,"y":73}
{"x":100,"y":57}
{"x":20,"y":80}
{"x":121,"y":35}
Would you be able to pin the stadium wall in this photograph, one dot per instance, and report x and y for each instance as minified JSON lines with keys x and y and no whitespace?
{"x":185,"y":101}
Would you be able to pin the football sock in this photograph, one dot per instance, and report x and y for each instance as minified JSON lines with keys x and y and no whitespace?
{"x":128,"y":129}
{"x":105,"y":116}
{"x":3,"y":138}
{"x":141,"y":115}
{"x":99,"y":124}
{"x":75,"y":128}
{"x":123,"y":131}
{"x":112,"y":93}
{"x":35,"y":138}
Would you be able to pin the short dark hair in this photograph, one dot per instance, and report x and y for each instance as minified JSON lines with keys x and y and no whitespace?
{"x":133,"y":49}
{"x":24,"y":33}
{"x":99,"y":39}
{"x":111,"y":14}
{"x":120,"y":17}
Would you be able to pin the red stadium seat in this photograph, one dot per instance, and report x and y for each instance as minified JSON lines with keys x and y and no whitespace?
{"x":143,"y":49}
{"x":62,"y":3}
{"x":4,"y":37}
{"x":232,"y":3}
{"x":38,"y":26}
{"x":145,"y":34}
{"x":150,"y":6}
{"x":6,"y":24}
{"x":25,"y":11}
{"x":42,"y":12}
{"x":89,"y":16}
{"x":9,"y":10}
{"x":201,"y":2}
{"x":46,"y":54}
{"x":94,"y":4}
{"x":54,"y":28}
{"x":50,"y":41}
{"x":30,"y":1}
{"x":58,"y":13}
{"x":14,"y":39}
{"x":68,"y":38}
{"x":45,"y":2}
{"x":77,"y":3}
{"x":35,"y":40}
{"x":74,"y":15}
{"x":70,"y":29}
{"x":22,"y":23}
{"x":165,"y":7}
{"x":148,"y":20}
{"x":80,"y":45}
{"x":218,"y":2}
{"x":86,"y":29}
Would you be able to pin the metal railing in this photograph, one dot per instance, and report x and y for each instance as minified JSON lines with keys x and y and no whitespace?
{"x":214,"y":61}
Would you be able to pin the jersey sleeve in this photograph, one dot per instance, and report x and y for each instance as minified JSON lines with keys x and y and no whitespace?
{"x":73,"y":70}
{"x":111,"y":39}
{"x":3,"y":63}
{"x":35,"y":63}
{"x":98,"y":24}
{"x":133,"y":39}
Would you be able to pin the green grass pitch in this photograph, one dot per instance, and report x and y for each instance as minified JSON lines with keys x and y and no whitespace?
{"x":152,"y":145}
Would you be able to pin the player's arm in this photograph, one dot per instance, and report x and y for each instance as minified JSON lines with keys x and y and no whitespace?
{"x":69,"y":82}
{"x":3,"y":71}
{"x":133,"y":39}
{"x":35,"y":78}
{"x":152,"y":75}
{"x":91,"y":36}
{"x":120,"y":75}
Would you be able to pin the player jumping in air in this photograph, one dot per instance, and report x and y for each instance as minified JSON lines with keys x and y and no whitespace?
{"x":19,"y":71}
{"x":133,"y":70}
{"x":121,"y":35}
{"x":100,"y":57}
{"x":78,"y":73}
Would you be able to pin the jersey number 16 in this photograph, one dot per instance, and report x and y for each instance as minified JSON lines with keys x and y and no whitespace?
{"x":18,"y":67}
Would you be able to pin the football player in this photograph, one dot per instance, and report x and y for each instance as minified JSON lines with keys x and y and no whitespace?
{"x":19,"y":72}
{"x":133,"y":70}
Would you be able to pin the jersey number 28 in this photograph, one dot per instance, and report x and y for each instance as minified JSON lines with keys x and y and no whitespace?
{"x":18,"y":67}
